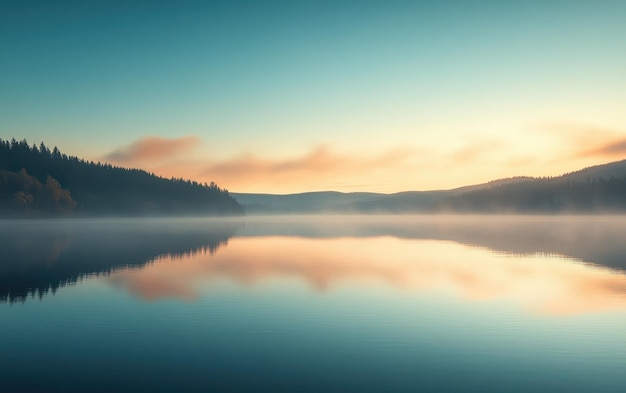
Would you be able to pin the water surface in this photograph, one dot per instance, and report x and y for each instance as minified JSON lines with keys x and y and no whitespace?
{"x":314,"y":304}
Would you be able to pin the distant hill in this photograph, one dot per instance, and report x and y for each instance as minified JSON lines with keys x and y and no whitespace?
{"x":36,"y":181}
{"x":606,"y":171}
{"x":356,"y":202}
{"x":495,"y":183}
{"x":597,"y":189}
{"x":600,"y":188}
{"x":325,"y":201}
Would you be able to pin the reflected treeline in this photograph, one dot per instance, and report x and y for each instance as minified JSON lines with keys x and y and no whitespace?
{"x":595,"y":239}
{"x":554,"y":285}
{"x":38,"y":257}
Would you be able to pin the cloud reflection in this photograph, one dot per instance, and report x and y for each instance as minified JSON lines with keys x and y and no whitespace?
{"x":548,"y":285}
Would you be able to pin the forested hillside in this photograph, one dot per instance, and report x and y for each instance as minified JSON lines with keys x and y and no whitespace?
{"x":598,"y":189}
{"x":588,"y":190}
{"x":37,"y":181}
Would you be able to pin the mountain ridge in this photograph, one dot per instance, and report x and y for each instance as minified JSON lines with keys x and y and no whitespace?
{"x":551,"y":198}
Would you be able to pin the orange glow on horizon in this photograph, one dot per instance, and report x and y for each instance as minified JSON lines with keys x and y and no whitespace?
{"x":410,"y":167}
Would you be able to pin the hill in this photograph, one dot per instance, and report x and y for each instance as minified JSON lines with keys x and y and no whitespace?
{"x":597,"y":189}
{"x":606,"y":171}
{"x":356,"y":202}
{"x":37,"y":181}
{"x":600,"y":188}
{"x":307,"y":202}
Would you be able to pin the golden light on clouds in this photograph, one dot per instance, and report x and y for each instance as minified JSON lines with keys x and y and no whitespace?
{"x":613,"y":148}
{"x":583,"y":142}
{"x":152,"y":149}
{"x":320,"y":167}
{"x":547,"y":285}
{"x":546,"y":150}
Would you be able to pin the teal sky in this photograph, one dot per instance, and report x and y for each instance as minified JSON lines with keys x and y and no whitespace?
{"x":296,"y":96}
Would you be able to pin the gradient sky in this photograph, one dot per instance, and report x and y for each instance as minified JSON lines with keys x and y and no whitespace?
{"x":322,"y":95}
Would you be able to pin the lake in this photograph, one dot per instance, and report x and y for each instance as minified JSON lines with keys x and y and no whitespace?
{"x":314,"y":304}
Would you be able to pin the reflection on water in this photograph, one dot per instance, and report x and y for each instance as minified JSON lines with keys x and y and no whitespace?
{"x":548,"y":285}
{"x":175,"y":258}
{"x":596,"y":239}
{"x":314,"y":304}
{"x":38,"y":257}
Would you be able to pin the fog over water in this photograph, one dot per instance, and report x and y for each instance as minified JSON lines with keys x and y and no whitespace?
{"x":314,"y":303}
{"x":39,"y":256}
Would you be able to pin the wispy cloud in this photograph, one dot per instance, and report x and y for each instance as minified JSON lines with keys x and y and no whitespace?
{"x":476,"y":150}
{"x":319,"y":165}
{"x":581,"y":141}
{"x":316,"y":168}
{"x":615,"y":148}
{"x":322,"y":167}
{"x":152,"y":149}
{"x":319,"y":160}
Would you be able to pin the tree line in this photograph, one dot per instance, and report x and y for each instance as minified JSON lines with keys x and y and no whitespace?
{"x":36,"y":180}
{"x":544,"y":195}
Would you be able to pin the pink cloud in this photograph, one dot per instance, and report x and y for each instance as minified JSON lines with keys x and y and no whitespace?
{"x":152,"y":149}
{"x":580,"y":141}
{"x":614,"y":148}
{"x":320,"y":166}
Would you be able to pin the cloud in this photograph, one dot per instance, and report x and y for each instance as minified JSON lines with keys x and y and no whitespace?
{"x":615,"y":148}
{"x":476,"y":150}
{"x":318,"y":160}
{"x":322,"y":167}
{"x":152,"y":149}
{"x":578,"y":133}
{"x":319,"y":166}
{"x":581,"y":141}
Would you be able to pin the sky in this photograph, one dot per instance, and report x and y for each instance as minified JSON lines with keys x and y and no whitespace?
{"x":296,"y":96}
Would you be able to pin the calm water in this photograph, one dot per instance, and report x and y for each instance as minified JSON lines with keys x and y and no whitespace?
{"x":328,"y":304}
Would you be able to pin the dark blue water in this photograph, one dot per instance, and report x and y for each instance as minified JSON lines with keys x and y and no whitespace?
{"x":314,"y":304}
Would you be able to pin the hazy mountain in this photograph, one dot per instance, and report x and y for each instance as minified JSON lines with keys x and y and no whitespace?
{"x":333,"y":201}
{"x":597,"y":189}
{"x":600,"y":188}
{"x":495,"y":183}
{"x":325,"y":201}
{"x":606,"y":171}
